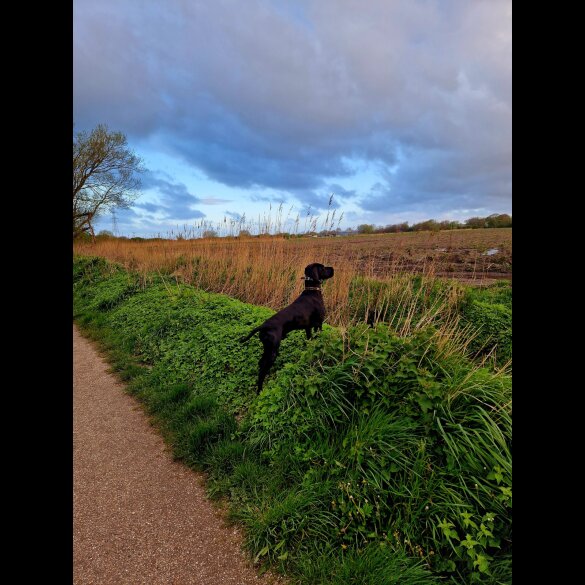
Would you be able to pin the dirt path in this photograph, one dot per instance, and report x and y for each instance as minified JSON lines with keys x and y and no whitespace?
{"x":139,"y":517}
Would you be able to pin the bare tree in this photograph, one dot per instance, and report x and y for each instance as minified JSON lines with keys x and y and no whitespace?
{"x":105,"y":176}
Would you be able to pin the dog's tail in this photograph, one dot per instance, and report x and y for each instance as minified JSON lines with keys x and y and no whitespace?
{"x":253,"y":332}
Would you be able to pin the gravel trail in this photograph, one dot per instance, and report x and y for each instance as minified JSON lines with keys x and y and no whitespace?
{"x":138,"y":516}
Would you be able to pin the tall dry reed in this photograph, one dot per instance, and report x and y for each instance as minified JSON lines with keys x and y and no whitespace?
{"x":268,"y":271}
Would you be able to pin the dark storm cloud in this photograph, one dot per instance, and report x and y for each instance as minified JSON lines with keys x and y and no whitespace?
{"x":317,"y":200}
{"x":151,"y":207}
{"x":276,"y":199}
{"x":214,"y":201}
{"x":176,"y":201}
{"x":443,"y":182}
{"x":281,"y":94}
{"x":339,"y":191}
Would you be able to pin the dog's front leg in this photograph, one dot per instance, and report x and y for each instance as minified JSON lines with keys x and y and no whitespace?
{"x":308,"y":332}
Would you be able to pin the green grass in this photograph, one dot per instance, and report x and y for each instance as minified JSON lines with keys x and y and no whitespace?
{"x":482,"y":316}
{"x":369,"y":457}
{"x":374,"y":565}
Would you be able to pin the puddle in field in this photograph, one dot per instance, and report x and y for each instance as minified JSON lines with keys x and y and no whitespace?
{"x":491,"y":252}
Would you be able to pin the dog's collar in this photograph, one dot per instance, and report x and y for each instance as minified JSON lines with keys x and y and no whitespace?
{"x":308,"y":278}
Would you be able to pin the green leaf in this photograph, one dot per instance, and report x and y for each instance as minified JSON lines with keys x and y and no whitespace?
{"x":449,"y":566}
{"x":468,"y":542}
{"x":496,"y":474}
{"x":482,"y":563}
{"x":425,"y":403}
{"x":467,"y":521}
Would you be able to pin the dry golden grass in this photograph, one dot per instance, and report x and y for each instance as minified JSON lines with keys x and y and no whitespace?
{"x":267,"y":270}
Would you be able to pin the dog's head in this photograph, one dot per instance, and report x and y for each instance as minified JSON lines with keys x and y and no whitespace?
{"x":318,"y":272}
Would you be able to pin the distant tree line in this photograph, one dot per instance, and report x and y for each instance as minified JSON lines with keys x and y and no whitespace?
{"x":496,"y":220}
{"x":501,"y":220}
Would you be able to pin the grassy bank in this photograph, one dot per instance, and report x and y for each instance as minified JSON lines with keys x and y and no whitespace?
{"x":374,"y":454}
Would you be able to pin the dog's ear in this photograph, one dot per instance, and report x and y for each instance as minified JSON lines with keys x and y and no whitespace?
{"x":312,"y":271}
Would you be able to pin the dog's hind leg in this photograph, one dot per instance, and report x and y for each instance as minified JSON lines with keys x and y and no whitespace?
{"x":266,"y":361}
{"x":308,"y":332}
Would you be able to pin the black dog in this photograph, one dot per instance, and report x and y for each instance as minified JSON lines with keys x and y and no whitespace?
{"x":306,"y":312}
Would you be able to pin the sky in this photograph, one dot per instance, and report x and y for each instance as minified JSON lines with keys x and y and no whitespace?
{"x":400,"y":109}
